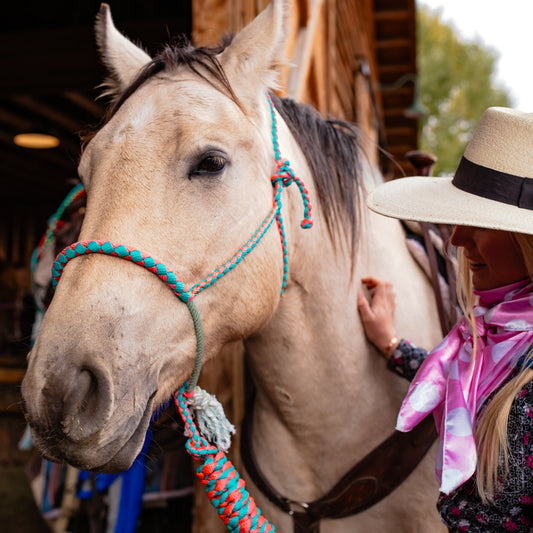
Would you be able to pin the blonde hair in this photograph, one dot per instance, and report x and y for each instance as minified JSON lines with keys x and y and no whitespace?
{"x":491,"y":429}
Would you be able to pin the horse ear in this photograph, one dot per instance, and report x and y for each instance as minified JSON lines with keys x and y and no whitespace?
{"x":256,"y":55}
{"x":122,"y":58}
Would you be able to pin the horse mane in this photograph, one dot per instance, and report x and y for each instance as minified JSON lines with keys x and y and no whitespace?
{"x":334,"y":154}
{"x":332,"y":147}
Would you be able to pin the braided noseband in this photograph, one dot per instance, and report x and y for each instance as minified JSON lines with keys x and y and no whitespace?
{"x":224,"y":487}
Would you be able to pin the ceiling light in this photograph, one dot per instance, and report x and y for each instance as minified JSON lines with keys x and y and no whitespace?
{"x":36,"y":140}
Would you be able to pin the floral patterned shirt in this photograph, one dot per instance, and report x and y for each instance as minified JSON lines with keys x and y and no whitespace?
{"x":512,"y":510}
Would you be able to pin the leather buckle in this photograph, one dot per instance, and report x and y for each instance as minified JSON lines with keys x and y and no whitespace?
{"x":293,"y":506}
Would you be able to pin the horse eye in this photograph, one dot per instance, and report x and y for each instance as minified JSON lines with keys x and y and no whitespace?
{"x":210,"y":164}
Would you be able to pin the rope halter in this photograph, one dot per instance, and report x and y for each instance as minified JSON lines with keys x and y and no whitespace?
{"x":229,"y":496}
{"x":282,"y":178}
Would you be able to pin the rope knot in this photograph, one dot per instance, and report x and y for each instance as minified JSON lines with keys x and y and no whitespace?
{"x":210,"y":417}
{"x":284,"y":174}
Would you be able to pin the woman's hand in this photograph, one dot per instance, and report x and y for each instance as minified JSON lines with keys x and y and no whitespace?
{"x":377,"y":315}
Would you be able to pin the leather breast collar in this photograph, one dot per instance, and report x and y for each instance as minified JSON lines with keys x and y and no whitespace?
{"x":368,"y":482}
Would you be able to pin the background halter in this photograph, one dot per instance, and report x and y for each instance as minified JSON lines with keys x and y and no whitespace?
{"x":224,"y":487}
{"x":55,"y":222}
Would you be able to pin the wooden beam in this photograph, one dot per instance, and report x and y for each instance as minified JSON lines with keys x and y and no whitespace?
{"x":46,"y":111}
{"x":11,"y":376}
{"x":305,"y":41}
{"x":10,"y":408}
{"x":85,"y":103}
{"x":400,"y":131}
{"x":14,"y":121}
{"x":385,"y":44}
{"x":393,"y":72}
{"x":390,"y":15}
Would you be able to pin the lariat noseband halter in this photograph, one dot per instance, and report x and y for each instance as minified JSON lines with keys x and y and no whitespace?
{"x":224,"y":487}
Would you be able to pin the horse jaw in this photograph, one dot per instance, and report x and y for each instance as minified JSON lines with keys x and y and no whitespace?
{"x":80,"y":392}
{"x":122,"y":58}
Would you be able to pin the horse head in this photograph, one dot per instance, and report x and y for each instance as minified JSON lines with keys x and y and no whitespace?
{"x":181,"y":170}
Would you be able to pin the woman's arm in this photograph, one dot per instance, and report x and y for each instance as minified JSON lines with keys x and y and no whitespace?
{"x":377,"y":317}
{"x":406,"y":359}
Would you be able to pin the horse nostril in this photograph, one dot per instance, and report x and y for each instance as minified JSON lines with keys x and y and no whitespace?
{"x":87,"y":404}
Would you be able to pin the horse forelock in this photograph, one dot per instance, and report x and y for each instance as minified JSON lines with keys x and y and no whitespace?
{"x":202,"y":61}
{"x":335,"y":156}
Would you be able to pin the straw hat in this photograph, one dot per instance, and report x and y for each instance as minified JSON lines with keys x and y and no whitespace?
{"x":492,"y":186}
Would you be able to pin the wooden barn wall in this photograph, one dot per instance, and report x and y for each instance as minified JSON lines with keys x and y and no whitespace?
{"x":351,"y":46}
{"x":329,"y":39}
{"x":396,"y":55}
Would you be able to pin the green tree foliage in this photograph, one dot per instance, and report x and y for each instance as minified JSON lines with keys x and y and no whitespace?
{"x":456,"y":85}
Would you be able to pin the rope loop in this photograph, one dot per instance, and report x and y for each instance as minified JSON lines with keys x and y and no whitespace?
{"x":119,"y":250}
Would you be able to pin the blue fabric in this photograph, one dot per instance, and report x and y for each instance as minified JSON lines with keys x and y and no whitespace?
{"x":131,"y":492}
{"x":103,"y":482}
{"x":47,"y":505}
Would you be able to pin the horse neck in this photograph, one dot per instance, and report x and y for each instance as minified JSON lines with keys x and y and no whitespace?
{"x":314,"y":342}
{"x":317,"y":313}
{"x":305,"y":347}
{"x":314,"y":376}
{"x":318,"y":380}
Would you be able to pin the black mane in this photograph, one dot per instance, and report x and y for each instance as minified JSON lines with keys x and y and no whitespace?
{"x":332,"y":147}
{"x":335,"y":156}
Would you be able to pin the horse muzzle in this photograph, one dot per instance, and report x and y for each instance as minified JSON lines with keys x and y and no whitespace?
{"x":75,"y":417}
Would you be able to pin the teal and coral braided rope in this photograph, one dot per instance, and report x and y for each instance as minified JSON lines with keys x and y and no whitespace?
{"x":224,"y":487}
{"x":54,"y":223}
{"x":153,"y":265}
{"x":123,"y":252}
{"x":284,"y":177}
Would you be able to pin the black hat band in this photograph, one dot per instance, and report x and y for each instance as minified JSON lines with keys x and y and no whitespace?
{"x":493,"y":184}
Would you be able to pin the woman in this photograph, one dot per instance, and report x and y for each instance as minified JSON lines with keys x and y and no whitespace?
{"x":477,"y":382}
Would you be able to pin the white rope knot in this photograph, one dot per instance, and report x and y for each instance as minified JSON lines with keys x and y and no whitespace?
{"x":210,"y":418}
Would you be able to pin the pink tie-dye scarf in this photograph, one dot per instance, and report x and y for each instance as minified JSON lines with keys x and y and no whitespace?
{"x":448,"y":385}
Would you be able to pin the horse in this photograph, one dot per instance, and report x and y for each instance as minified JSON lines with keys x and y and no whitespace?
{"x":183,"y":169}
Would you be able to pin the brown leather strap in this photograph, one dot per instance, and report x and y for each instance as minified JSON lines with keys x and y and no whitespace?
{"x":432,"y":258}
{"x":305,"y":523}
{"x":369,"y":481}
{"x":423,"y":163}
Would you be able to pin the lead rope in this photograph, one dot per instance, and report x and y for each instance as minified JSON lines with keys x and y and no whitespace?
{"x":224,"y":487}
